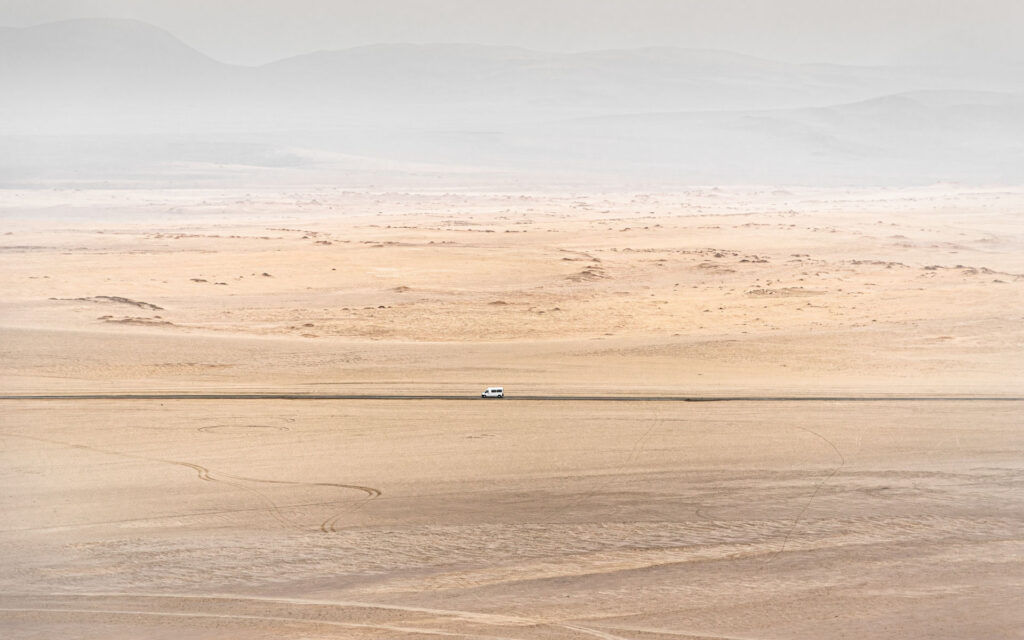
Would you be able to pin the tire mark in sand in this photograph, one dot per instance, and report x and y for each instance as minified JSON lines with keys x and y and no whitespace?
{"x":242,"y":617}
{"x":634,"y":454}
{"x":817,"y":490}
{"x":473,"y":617}
{"x":328,"y":525}
{"x":240,"y":428}
{"x":206,"y":475}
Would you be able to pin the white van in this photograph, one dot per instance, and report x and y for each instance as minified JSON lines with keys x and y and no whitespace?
{"x":493,"y":392}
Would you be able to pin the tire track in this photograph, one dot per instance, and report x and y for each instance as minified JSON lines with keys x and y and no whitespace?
{"x":604,"y":635}
{"x":492,"y":619}
{"x":206,"y":475}
{"x":202,"y":473}
{"x":473,"y":617}
{"x":248,"y":618}
{"x":170,"y":516}
{"x":701,"y":512}
{"x":685,"y":635}
{"x":328,"y":525}
{"x":240,"y":428}
{"x":817,"y":490}
{"x":634,"y":455}
{"x":369,"y":491}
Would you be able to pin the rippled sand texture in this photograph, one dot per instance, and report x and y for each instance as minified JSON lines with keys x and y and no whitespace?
{"x":523,"y":520}
{"x":511,"y":518}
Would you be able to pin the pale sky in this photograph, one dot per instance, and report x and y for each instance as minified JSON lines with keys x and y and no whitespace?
{"x":844,"y":31}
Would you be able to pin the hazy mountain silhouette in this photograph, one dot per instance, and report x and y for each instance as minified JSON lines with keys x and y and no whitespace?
{"x":123,"y":94}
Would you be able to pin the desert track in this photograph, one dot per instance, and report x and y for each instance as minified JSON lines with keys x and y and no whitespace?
{"x":317,"y":613}
{"x":530,"y":398}
{"x":238,"y":482}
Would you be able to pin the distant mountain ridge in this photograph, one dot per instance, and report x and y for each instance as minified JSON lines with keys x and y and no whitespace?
{"x":120,"y":69}
{"x":77,"y":44}
{"x":664,"y":109}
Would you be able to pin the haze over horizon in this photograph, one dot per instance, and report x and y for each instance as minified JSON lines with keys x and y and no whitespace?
{"x":119,"y":90}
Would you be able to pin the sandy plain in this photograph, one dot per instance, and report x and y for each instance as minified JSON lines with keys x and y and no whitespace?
{"x":513,"y":519}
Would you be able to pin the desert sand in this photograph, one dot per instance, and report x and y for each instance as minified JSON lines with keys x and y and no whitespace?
{"x":897,"y":517}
